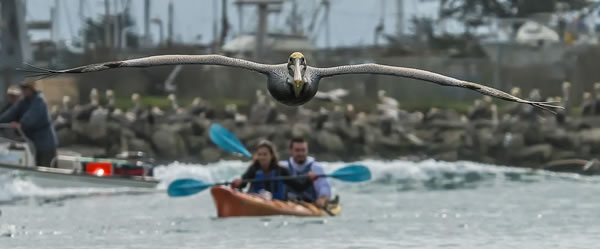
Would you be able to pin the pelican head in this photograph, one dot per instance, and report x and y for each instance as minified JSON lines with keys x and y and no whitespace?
{"x":110,"y":96}
{"x":135,"y":99}
{"x":110,"y":93}
{"x":535,"y":94}
{"x":487,"y":99}
{"x":558,"y":99}
{"x":196,"y":101}
{"x":516,"y":91}
{"x":296,"y":68}
{"x":94,"y":96}
{"x":293,"y":83}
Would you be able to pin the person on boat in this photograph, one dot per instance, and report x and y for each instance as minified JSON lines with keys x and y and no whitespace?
{"x":265,"y":166}
{"x":300,"y":163}
{"x":13,"y":93}
{"x":30,"y":113}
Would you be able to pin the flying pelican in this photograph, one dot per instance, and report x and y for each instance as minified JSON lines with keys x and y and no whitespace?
{"x":292,"y":83}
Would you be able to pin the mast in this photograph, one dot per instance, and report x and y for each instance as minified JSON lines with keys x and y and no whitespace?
{"x":107,"y":37}
{"x":147,"y":23}
{"x":400,"y":18}
{"x":170,"y":25}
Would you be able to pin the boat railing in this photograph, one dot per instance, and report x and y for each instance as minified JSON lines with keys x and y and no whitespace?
{"x":13,"y":136}
{"x":11,"y":133}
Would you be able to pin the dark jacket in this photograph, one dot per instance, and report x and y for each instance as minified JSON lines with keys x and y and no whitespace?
{"x":32,"y":114}
{"x":296,"y":184}
{"x":5,"y":108}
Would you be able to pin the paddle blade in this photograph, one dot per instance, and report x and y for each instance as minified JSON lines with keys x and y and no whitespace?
{"x":185,"y":187}
{"x":352,"y":173}
{"x":227,"y":141}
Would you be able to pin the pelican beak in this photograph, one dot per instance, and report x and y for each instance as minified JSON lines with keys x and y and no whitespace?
{"x":298,"y":82}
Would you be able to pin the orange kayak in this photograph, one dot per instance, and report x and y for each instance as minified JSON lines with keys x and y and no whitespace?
{"x":232,"y":203}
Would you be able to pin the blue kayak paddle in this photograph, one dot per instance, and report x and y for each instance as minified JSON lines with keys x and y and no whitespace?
{"x":185,"y":187}
{"x":227,"y":141}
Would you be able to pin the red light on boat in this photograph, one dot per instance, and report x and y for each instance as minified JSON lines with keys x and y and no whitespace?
{"x":99,"y":168}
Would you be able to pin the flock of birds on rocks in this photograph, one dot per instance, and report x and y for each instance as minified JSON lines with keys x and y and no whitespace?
{"x":520,"y":135}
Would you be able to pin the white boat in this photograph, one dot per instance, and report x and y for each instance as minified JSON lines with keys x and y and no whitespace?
{"x":72,"y":170}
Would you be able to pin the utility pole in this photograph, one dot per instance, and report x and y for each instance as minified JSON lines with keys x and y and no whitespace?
{"x":379,"y":28}
{"x":125,"y":27}
{"x":215,"y":27}
{"x":224,"y":23}
{"x":159,"y":23}
{"x":146,"y":42}
{"x":261,"y":32}
{"x":56,"y":20}
{"x":116,"y":20}
{"x":107,"y":37}
{"x":293,"y":19}
{"x":327,"y":25}
{"x":240,"y":19}
{"x":53,"y":24}
{"x":83,"y":25}
{"x":400,"y":18}
{"x":170,"y":27}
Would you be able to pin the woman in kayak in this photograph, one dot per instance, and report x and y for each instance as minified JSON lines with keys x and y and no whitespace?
{"x":266,"y":166}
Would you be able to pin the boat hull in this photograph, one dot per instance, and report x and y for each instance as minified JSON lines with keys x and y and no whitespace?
{"x":233,"y":203}
{"x":61,"y":178}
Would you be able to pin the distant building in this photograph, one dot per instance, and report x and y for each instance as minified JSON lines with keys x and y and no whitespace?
{"x":275,"y":43}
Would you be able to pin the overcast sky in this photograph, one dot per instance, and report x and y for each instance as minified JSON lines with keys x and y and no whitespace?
{"x":352,"y":22}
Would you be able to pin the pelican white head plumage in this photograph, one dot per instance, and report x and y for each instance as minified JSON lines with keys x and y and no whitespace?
{"x":295,"y":83}
{"x":94,"y":100}
{"x":135,"y":99}
{"x":197,"y":101}
{"x":66,"y":99}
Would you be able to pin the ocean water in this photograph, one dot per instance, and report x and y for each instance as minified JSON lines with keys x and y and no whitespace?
{"x":426,"y":204}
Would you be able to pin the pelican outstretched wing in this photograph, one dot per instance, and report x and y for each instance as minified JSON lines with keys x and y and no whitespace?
{"x":431,"y":77}
{"x":160,"y":60}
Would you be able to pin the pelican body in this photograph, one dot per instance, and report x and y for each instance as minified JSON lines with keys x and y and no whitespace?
{"x":294,"y":83}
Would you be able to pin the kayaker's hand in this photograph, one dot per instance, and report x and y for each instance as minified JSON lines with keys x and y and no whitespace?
{"x":312,"y":176}
{"x":236,"y":183}
{"x":15,"y":125}
{"x":322,"y":201}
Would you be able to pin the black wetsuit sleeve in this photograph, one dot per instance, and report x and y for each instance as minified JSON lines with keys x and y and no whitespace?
{"x":249,"y":174}
{"x":299,"y":184}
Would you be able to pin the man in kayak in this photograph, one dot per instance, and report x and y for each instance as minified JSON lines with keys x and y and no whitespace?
{"x":265,"y":166}
{"x":301,"y":164}
{"x":30,"y":113}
